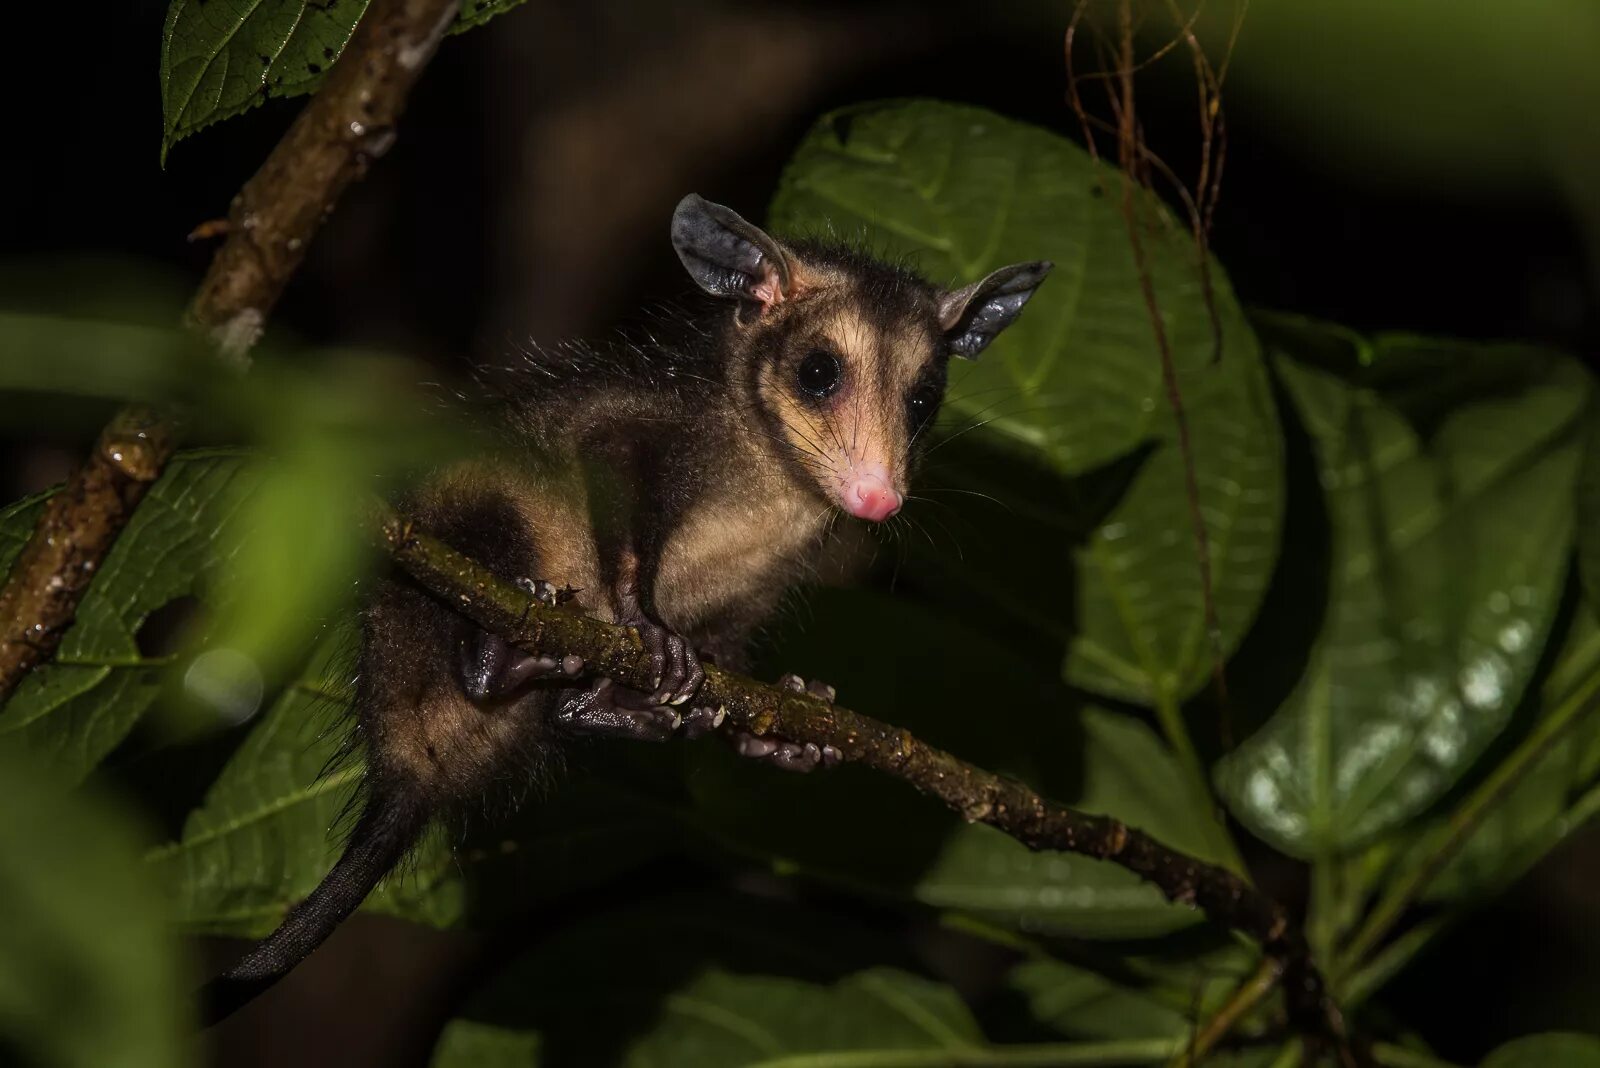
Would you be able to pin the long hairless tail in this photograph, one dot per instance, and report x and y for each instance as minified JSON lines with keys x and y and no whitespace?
{"x":387,"y":829}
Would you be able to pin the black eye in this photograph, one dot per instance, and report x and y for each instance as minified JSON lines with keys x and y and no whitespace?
{"x":921,"y":404}
{"x":819,"y":373}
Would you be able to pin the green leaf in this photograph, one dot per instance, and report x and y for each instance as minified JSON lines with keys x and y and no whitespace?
{"x":1556,"y":797}
{"x":1083,"y":1003}
{"x":1588,"y":510}
{"x":1005,"y":716}
{"x":1554,"y":1049}
{"x":709,"y":982}
{"x":220,"y":58}
{"x":74,"y":710}
{"x":266,"y":833}
{"x":1447,"y":470}
{"x":89,"y":973}
{"x":1076,"y":384}
{"x":88,"y":358}
{"x":268,"y":829}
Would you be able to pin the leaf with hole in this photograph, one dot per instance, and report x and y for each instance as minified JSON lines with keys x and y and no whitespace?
{"x":1447,"y":469}
{"x":74,"y":710}
{"x":1075,"y":385}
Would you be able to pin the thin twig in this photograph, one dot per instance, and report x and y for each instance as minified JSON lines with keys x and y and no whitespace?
{"x":273,"y":219}
{"x":977,"y":795}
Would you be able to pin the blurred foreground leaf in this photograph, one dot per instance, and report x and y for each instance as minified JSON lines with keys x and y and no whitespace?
{"x":1448,"y":471}
{"x":89,"y":974}
{"x":1076,"y":384}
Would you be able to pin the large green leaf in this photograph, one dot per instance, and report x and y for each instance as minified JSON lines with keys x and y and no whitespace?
{"x":710,"y":982}
{"x":1556,"y":797}
{"x":74,"y":710}
{"x":1588,"y":509}
{"x":220,"y":58}
{"x":1076,"y":384}
{"x":957,"y":688}
{"x":89,"y":973}
{"x":265,"y":834}
{"x":268,"y":829}
{"x":1552,"y":1050}
{"x":1447,"y":470}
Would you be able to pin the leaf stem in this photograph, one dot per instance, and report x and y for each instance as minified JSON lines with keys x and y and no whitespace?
{"x":1169,"y":714}
{"x":1464,"y":821}
{"x":1247,"y":996}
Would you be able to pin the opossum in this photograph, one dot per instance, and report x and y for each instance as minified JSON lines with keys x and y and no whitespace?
{"x":677,"y":487}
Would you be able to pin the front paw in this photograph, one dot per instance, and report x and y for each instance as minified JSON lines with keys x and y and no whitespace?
{"x":675,"y":670}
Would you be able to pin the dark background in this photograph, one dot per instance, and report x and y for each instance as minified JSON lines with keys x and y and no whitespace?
{"x":528,"y":196}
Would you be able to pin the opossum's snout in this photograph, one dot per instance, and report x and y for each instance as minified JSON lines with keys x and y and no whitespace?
{"x":867,"y":491}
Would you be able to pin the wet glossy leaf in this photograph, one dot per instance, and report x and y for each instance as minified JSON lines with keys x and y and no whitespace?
{"x":89,"y":973}
{"x":1076,"y":384}
{"x":1556,"y":797}
{"x":219,"y":58}
{"x":1553,"y":1050}
{"x":74,"y":710}
{"x":270,"y":827}
{"x":1006,"y":716}
{"x":712,"y":982}
{"x":1447,"y":470}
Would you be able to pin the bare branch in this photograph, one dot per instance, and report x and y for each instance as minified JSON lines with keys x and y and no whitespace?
{"x":349,"y":122}
{"x":978,"y":795}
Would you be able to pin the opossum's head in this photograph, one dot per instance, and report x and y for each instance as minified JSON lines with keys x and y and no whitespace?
{"x":841,"y":357}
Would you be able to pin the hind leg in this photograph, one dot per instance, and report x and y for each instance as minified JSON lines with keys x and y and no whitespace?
{"x":491,"y":667}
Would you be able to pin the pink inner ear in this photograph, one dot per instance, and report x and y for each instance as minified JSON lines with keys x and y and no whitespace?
{"x":768,"y":291}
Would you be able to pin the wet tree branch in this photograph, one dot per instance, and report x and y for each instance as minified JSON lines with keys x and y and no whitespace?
{"x":978,"y":795}
{"x":349,"y":122}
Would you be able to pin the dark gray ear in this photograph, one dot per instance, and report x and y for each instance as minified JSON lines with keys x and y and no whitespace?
{"x":727,"y":256}
{"x":972,"y":315}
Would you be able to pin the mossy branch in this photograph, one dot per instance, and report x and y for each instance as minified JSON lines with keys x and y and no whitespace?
{"x":977,"y":795}
{"x":273,"y":219}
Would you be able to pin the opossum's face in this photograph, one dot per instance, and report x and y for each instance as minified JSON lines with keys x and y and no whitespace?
{"x":846,"y":356}
{"x":849,"y":389}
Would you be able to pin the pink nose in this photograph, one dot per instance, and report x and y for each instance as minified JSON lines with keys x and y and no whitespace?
{"x":870,"y":497}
